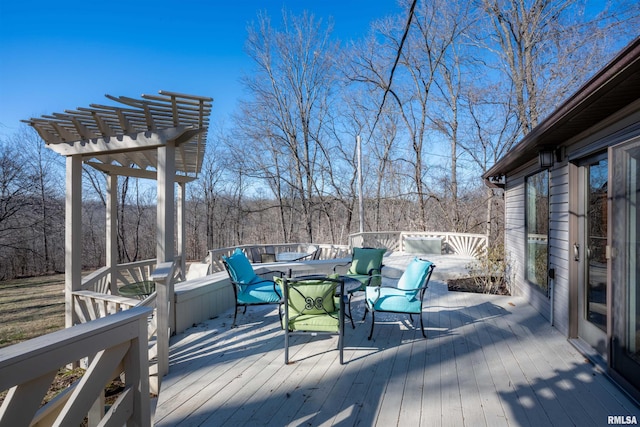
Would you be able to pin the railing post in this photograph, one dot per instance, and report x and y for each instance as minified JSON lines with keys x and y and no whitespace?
{"x":163,"y":277}
{"x":137,"y":376}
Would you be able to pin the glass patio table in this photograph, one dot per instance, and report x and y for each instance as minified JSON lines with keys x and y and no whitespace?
{"x":349,"y":282}
{"x":290,"y":256}
{"x":139,"y":290}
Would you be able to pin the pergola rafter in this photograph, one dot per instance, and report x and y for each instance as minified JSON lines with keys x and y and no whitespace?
{"x":184,"y":119}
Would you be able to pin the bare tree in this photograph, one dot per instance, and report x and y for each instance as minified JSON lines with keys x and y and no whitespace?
{"x":15,"y":204}
{"x":546,"y":48}
{"x":535,"y":53}
{"x":421,"y":49}
{"x":291,"y":91}
{"x":46,"y":167}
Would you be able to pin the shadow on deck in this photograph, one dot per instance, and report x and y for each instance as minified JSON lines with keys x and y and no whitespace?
{"x":488,"y":360}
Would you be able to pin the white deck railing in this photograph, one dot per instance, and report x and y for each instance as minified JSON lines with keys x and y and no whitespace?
{"x":102,"y":282}
{"x":114,"y":344}
{"x":464,"y":244}
{"x":89,"y":305}
{"x":254,"y":252}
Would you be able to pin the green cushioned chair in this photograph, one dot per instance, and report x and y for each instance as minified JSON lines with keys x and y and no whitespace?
{"x":248,"y":287}
{"x":366,"y":267}
{"x":405,"y":297}
{"x":310,"y":308}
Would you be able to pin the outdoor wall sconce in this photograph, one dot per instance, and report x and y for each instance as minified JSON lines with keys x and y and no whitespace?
{"x":546,"y":158}
{"x":498,"y":180}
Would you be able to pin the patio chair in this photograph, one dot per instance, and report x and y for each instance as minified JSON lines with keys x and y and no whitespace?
{"x":248,"y":287}
{"x":405,"y":297}
{"x":197,"y":270}
{"x":312,"y":251}
{"x":310,"y":308}
{"x":267,"y":257}
{"x":366,"y":267}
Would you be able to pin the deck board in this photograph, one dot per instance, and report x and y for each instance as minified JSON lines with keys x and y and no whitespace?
{"x":431,"y":402}
{"x":467,"y":384}
{"x":488,"y":361}
{"x":490,"y":377}
{"x":410,"y":414}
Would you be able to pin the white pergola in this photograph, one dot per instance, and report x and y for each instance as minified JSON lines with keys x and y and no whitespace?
{"x":159,"y":137}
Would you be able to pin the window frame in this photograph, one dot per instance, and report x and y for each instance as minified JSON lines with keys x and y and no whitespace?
{"x":540,"y":285}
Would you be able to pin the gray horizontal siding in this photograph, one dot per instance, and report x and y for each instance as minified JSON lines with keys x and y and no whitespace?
{"x":559,"y":244}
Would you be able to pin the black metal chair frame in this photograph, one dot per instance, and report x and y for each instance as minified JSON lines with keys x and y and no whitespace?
{"x":372,"y":273}
{"x":236,"y":286}
{"x":422,"y":290}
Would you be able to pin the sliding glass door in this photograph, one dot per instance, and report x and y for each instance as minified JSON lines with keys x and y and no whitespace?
{"x":625,"y":243}
{"x":591,"y":252}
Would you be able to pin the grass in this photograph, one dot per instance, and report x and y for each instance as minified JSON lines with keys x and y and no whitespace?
{"x":30,"y":307}
{"x":34,"y":306}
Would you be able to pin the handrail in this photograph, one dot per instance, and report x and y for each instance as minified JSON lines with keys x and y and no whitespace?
{"x":138,"y":271}
{"x":90,"y":305}
{"x":114,"y":344}
{"x":376,"y":239}
{"x":465,"y":244}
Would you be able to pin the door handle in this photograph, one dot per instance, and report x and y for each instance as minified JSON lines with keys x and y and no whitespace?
{"x":576,"y":252}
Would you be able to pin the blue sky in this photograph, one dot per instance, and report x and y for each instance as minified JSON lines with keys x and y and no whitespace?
{"x":56,"y":56}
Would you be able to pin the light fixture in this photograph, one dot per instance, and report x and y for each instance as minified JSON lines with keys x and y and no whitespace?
{"x":497,"y":180}
{"x":546,"y":158}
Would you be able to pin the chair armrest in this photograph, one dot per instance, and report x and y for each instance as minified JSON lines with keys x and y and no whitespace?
{"x":272,"y":272}
{"x":262,"y":280}
{"x":238,"y":286}
{"x":421,"y":288}
{"x":341,"y":265}
{"x":304,"y":257}
{"x":379,"y":270}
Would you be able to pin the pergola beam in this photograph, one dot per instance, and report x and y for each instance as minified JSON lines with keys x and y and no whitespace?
{"x":123,"y":143}
{"x":135,"y":173}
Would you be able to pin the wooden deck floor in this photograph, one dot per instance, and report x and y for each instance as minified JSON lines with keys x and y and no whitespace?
{"x":488,"y":360}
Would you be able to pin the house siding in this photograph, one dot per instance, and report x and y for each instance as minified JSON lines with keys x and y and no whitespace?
{"x":559,"y":245}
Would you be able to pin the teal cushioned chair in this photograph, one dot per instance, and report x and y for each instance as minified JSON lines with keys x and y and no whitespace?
{"x":248,"y":287}
{"x":405,"y":297}
{"x":366,"y":267}
{"x":310,"y":308}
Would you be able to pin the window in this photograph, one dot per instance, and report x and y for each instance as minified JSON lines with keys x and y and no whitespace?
{"x":537,"y":229}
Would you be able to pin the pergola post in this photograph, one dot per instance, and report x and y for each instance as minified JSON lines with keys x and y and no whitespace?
{"x":180,"y":221}
{"x":111,"y":234}
{"x":73,"y":233}
{"x":165,"y":226}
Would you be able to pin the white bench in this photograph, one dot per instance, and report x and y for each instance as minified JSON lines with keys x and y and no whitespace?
{"x":200,"y":299}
